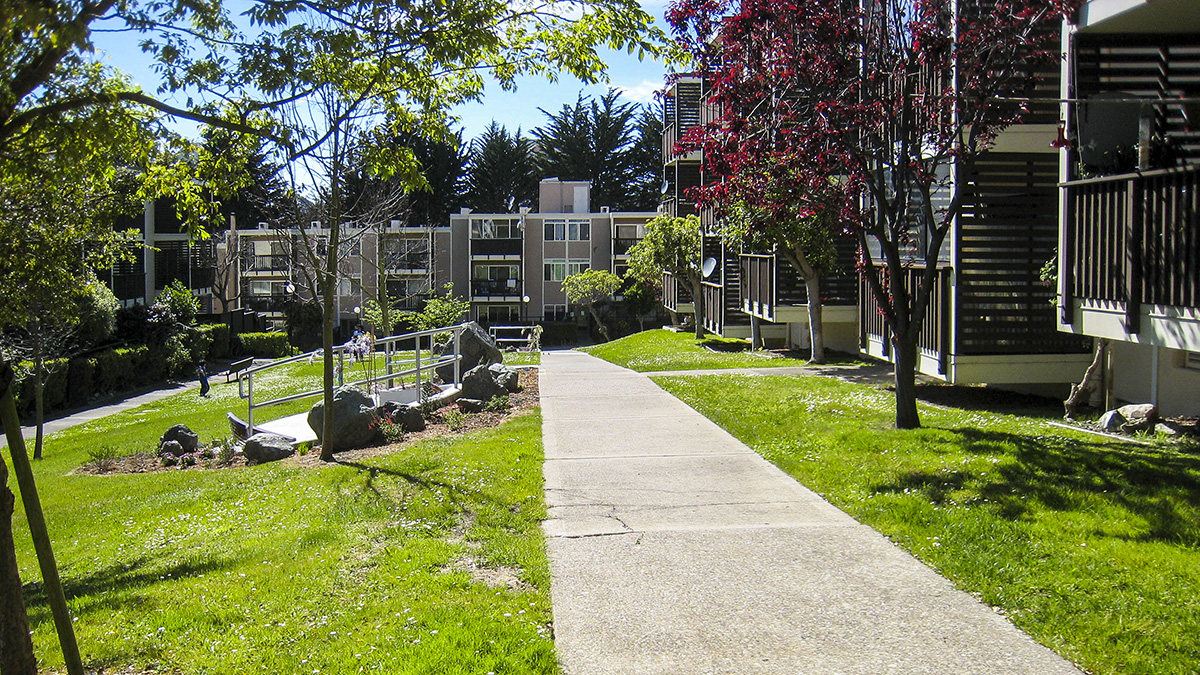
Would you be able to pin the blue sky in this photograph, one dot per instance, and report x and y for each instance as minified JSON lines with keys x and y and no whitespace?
{"x":636,"y":79}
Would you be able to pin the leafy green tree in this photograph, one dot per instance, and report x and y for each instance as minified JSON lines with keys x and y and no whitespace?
{"x":603,"y":142}
{"x":179,"y":300}
{"x":671,"y":245}
{"x":440,"y":311}
{"x":502,"y":172}
{"x":590,"y":287}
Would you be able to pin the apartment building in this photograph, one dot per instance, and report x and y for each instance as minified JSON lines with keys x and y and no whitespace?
{"x":511,"y":265}
{"x":1129,"y":235}
{"x":263,"y":268}
{"x":166,"y":254}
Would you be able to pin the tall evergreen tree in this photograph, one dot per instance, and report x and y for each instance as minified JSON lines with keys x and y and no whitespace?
{"x":603,"y":141}
{"x":444,"y":165}
{"x":503,"y":173}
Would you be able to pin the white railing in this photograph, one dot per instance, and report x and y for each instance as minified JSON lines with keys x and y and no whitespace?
{"x":398,"y":364}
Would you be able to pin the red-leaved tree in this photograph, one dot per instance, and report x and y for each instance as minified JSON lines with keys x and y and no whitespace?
{"x":875,"y":106}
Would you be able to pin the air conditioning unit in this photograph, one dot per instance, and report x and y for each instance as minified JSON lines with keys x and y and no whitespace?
{"x":605,"y":209}
{"x":316,"y":224}
{"x":264,"y":226}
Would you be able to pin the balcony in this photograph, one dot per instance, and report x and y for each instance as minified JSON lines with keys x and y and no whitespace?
{"x":496,"y":246}
{"x":676,"y":295}
{"x":1131,"y":249}
{"x":268,"y":264}
{"x":622,"y":245}
{"x":935,"y":341}
{"x":773,"y":291}
{"x":266,"y":304}
{"x":492,"y":288}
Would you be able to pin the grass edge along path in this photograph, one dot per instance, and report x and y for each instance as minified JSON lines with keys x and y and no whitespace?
{"x":428,"y":560}
{"x":1089,"y":545}
{"x":661,"y":349}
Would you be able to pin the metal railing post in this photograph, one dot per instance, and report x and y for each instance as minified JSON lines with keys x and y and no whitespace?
{"x":457,"y":357}
{"x":250,"y":395}
{"x":417,"y":362}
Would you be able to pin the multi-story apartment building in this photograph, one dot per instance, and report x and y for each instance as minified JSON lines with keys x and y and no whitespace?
{"x":263,"y":268}
{"x":991,"y":318}
{"x":512,"y":264}
{"x":1129,"y":237}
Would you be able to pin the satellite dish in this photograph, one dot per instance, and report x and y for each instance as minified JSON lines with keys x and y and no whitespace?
{"x":666,"y":187}
{"x":708,"y":267}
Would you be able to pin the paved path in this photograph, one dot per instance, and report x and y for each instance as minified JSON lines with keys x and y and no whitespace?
{"x":674,"y":548}
{"x":71,"y":419}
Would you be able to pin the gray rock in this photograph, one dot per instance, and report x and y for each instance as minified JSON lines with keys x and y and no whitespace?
{"x":506,"y":377}
{"x":477,"y":348}
{"x":354,"y":417}
{"x":470,"y":405}
{"x":480,"y":383}
{"x":174,"y":448}
{"x":263,"y":447}
{"x":1167,"y":428}
{"x":1112,"y":420}
{"x":182,"y":435}
{"x":407,"y":416}
{"x":1140,"y":417}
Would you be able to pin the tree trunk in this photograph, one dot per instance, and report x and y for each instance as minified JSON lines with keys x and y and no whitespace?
{"x":905,"y":352}
{"x":599,"y":323}
{"x":755,"y":332}
{"x":39,"y":532}
{"x":1082,"y":392}
{"x":39,"y":388}
{"x":816,"y":323}
{"x":16,"y":648}
{"x":329,"y":281}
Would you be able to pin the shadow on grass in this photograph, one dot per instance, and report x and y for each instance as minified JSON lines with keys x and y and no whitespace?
{"x":373,"y":473}
{"x":1062,"y":474}
{"x":964,"y":397}
{"x":115,"y":586}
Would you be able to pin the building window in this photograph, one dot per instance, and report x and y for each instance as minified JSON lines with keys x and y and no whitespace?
{"x":554,"y":313}
{"x":568,"y":230}
{"x":496,"y":228}
{"x":498,"y":314}
{"x":345,"y":287}
{"x":1192,"y":361}
{"x":496,"y":272}
{"x":557,"y":270}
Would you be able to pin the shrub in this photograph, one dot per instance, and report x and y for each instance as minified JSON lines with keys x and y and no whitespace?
{"x":454,"y":418}
{"x":103,"y":458}
{"x":178,"y":298}
{"x":199,"y":343}
{"x":559,"y":333}
{"x":218,"y":333}
{"x":264,"y":345}
{"x":80,"y":381}
{"x":119,"y":369}
{"x":175,"y":357}
{"x":497,"y":404}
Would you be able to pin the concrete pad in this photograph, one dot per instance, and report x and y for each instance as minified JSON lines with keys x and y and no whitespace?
{"x":807,"y":600}
{"x":628,"y":436}
{"x":295,"y":426}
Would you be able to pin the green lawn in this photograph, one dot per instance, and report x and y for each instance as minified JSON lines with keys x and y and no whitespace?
{"x":429,"y":560}
{"x":522,"y":358}
{"x":1092,"y":546}
{"x":657,"y":350}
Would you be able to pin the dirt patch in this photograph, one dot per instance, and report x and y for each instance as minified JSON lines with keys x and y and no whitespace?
{"x":436,"y":426}
{"x":497,"y":577}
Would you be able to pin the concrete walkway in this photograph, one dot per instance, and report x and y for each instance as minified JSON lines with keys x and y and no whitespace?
{"x":82,"y":416}
{"x":674,"y":548}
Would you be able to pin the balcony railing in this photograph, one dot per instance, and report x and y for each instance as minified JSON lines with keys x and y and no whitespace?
{"x":495,"y":287}
{"x":714,"y":305}
{"x":268,"y":263}
{"x":935,"y":339}
{"x":757,"y":285}
{"x":496,"y":246}
{"x":767,"y":283}
{"x":1133,"y":239}
{"x":622,"y":245}
{"x":675,"y":292}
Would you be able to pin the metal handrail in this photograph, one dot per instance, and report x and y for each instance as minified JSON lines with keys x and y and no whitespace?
{"x":246,"y":377}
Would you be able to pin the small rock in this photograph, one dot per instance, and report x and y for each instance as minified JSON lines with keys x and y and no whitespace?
{"x":408,"y":417}
{"x":1112,"y":420}
{"x":264,"y":447}
{"x":506,"y":377}
{"x":182,"y":435}
{"x":470,"y":405}
{"x":480,"y":383}
{"x":173,"y":448}
{"x":1167,"y":428}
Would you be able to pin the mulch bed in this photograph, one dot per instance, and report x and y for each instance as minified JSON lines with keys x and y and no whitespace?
{"x":435,"y":427}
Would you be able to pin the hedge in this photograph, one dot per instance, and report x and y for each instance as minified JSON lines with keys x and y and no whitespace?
{"x":264,"y":345}
{"x":219,"y":334}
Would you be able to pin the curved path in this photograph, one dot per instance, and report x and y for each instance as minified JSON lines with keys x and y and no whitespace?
{"x":674,"y":548}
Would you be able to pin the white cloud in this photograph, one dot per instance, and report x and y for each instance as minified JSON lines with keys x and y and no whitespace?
{"x":642,"y":93}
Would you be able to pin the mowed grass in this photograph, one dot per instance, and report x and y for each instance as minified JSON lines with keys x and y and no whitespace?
{"x":657,"y":350}
{"x":1092,"y":546}
{"x":428,"y":560}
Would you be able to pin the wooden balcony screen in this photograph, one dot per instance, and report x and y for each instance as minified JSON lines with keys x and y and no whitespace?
{"x":1134,"y":239}
{"x":934,"y":339}
{"x":1007,"y":232}
{"x":714,"y":306}
{"x":674,"y":292}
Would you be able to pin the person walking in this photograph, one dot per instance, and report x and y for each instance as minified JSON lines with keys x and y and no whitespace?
{"x":202,"y":373}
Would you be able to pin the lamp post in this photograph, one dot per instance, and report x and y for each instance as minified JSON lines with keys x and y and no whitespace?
{"x":524,"y":308}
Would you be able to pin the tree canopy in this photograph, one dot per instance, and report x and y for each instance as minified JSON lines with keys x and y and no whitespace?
{"x":671,"y":245}
{"x":502,"y":175}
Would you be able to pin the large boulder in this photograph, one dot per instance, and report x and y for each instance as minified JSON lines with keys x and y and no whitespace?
{"x":480,"y":383}
{"x":180,"y":433}
{"x":353,"y":420}
{"x":476,"y":347}
{"x":1112,"y":420}
{"x":1141,"y":416}
{"x":263,"y":447}
{"x":506,"y":377}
